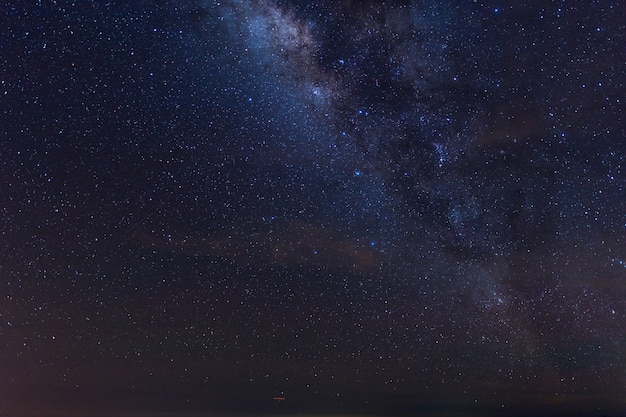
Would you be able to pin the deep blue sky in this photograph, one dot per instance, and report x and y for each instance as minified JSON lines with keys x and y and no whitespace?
{"x":394,"y":208}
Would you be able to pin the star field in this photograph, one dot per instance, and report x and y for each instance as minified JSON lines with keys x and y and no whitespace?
{"x":261,"y":207}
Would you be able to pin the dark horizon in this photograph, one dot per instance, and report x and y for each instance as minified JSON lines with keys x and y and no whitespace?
{"x":392,"y":406}
{"x":224,"y":400}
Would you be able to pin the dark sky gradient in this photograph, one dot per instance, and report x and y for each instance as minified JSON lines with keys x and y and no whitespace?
{"x":398,"y":208}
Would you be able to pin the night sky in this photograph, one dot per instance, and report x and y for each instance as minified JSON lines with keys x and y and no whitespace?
{"x":386,"y":208}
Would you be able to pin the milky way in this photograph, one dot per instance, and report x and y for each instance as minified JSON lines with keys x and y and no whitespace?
{"x":386,"y":208}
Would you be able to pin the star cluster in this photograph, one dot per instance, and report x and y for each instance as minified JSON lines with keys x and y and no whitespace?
{"x":382,"y":207}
